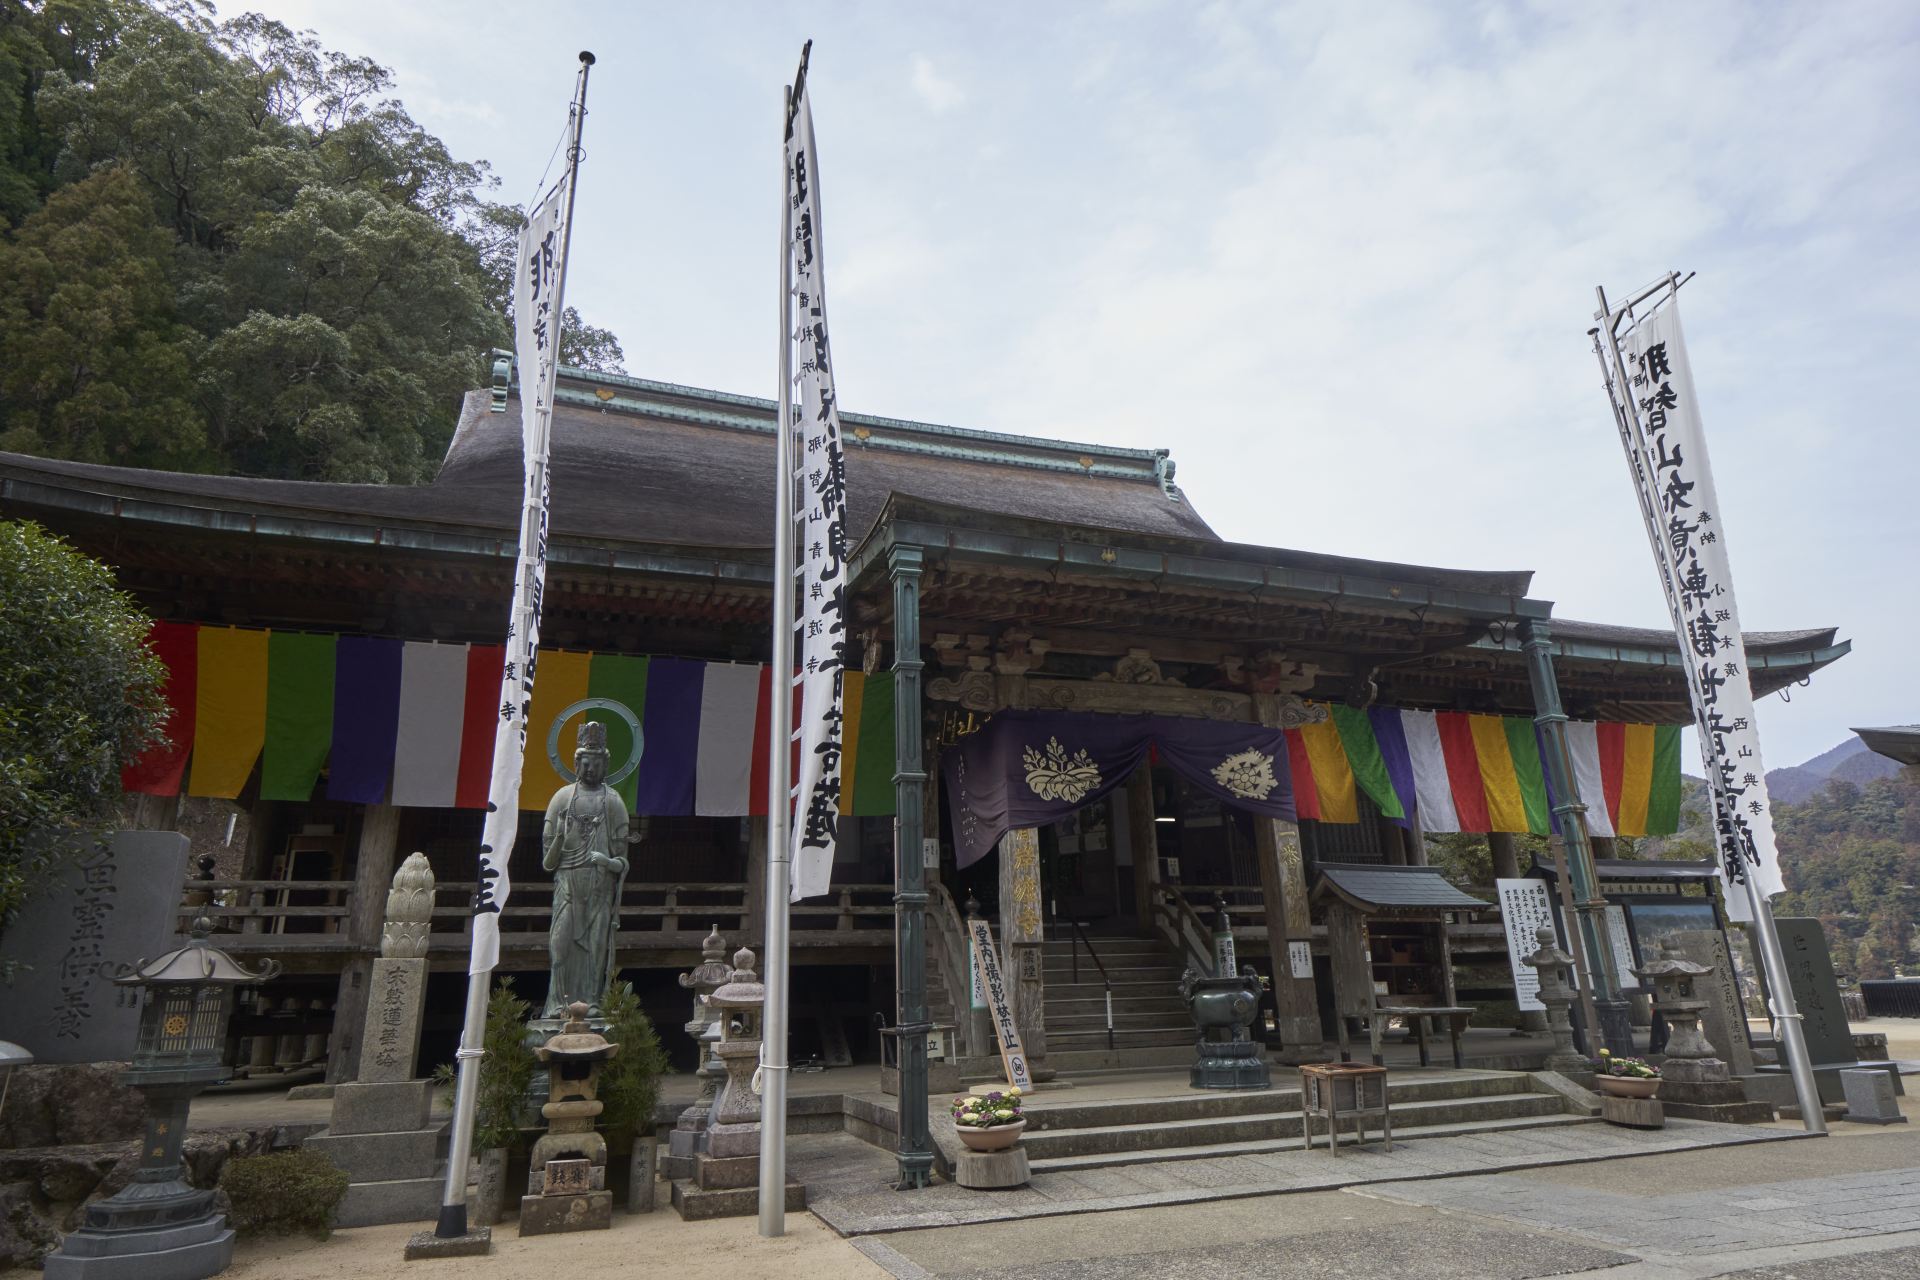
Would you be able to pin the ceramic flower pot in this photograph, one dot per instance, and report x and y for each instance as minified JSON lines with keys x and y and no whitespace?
{"x":998,"y":1138}
{"x":1628,"y":1086}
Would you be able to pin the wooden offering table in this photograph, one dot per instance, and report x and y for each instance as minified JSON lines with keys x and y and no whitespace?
{"x":1334,"y":1089}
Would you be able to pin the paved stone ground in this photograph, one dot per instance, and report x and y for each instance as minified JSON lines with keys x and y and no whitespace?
{"x":848,"y":1181}
{"x":1698,"y":1222}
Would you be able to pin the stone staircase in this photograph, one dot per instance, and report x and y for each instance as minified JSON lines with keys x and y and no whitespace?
{"x":1151,"y":1026}
{"x":1063,"y":1135}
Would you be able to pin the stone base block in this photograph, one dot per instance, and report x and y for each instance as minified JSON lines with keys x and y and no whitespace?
{"x":992,"y":1170}
{"x":1831,"y":1110}
{"x":192,"y":1251}
{"x":674,"y":1167}
{"x":381,"y":1108}
{"x":1722,"y":1112}
{"x":380,"y":1157}
{"x":693,"y":1204}
{"x":942,"y":1077}
{"x":548,"y":1215}
{"x":719,"y":1173}
{"x":425,"y":1244}
{"x":1238,"y":1072}
{"x":1633,"y":1113}
{"x":566,"y":1178}
{"x":686,"y":1142}
{"x":1693,"y":1071}
{"x":309,"y":1092}
{"x":372,"y":1204}
{"x":1870,"y":1098}
{"x":727,"y":1140}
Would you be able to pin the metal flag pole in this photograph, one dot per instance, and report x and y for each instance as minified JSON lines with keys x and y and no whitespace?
{"x":773,"y":1038}
{"x":453,"y":1203}
{"x":1734,"y":860}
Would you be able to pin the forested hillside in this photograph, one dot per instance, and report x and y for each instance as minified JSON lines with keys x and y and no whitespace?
{"x":1851,"y":855}
{"x":229,"y":249}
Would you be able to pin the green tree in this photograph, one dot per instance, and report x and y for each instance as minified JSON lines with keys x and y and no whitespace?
{"x":80,"y":697}
{"x":586,"y":346}
{"x":98,"y":366}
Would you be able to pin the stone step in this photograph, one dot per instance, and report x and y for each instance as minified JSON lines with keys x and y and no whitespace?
{"x":1105,"y":948}
{"x":1060,"y":1111}
{"x":1094,"y":1012}
{"x":1100,"y":1060}
{"x":373,"y":1204}
{"x":1214,"y":1136}
{"x":1403,"y":1131}
{"x":1166,"y":975}
{"x":1123,"y":1018}
{"x":1132,"y":1038}
{"x":694,"y":1203}
{"x":1152,"y":989}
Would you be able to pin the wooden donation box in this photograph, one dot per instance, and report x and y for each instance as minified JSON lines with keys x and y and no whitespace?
{"x":1387,"y":943}
{"x":1334,"y":1089}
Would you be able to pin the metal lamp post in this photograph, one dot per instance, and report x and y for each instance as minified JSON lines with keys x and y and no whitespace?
{"x":179,"y":1051}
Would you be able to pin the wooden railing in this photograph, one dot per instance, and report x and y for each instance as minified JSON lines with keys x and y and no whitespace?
{"x":268,"y":906}
{"x":947,"y":933}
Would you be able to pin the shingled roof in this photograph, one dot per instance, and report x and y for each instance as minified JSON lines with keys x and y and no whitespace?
{"x":1370,"y":887}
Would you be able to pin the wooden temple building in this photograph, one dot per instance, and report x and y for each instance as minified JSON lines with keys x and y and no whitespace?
{"x":990,"y":572}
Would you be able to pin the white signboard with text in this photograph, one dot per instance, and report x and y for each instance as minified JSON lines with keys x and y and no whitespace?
{"x":1524,"y":906}
{"x":1006,"y":1028}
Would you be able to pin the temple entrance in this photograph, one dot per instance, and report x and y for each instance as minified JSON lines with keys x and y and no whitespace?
{"x":1205,"y":846}
{"x":1086,"y":867}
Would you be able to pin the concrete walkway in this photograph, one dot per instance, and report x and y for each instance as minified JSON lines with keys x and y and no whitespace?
{"x":849,"y":1182}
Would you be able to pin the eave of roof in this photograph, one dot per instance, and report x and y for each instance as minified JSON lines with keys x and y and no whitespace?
{"x":1896,"y":742}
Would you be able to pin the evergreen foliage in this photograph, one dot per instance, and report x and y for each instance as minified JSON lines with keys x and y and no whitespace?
{"x":80,"y":697}
{"x":1851,"y":858}
{"x":630,"y":1081}
{"x":230,"y":249}
{"x":283,"y":1193}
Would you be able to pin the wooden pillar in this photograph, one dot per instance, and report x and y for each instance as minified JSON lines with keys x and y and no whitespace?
{"x":372,"y":876}
{"x":1023,"y":939}
{"x":1604,"y":847}
{"x":1144,"y":840}
{"x":1283,"y":894}
{"x":1415,"y":840}
{"x":1390,"y":843}
{"x":753,"y":928}
{"x":1506,"y":855}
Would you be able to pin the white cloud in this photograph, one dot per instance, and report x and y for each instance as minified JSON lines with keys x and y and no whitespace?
{"x":939,"y":93}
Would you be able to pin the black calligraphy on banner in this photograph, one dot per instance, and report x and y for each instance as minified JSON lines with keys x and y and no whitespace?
{"x":1667,"y":447}
{"x":536,"y":310}
{"x":820,"y":489}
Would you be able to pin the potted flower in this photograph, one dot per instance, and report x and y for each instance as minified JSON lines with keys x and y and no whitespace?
{"x":989,"y":1122}
{"x":1626,"y":1077}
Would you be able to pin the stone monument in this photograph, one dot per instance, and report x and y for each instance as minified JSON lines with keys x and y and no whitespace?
{"x":106,"y":908}
{"x":1695,"y":1084}
{"x":567,"y":1173}
{"x":584,"y":843}
{"x":382,"y":1132}
{"x":689,"y":1136}
{"x":726,"y":1176}
{"x":1724,"y":1020}
{"x":1553,"y":964}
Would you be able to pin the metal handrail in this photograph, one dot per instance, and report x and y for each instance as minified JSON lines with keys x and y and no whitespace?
{"x":1073,"y":953}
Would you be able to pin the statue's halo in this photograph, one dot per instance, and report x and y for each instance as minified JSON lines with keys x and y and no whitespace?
{"x":596,"y":704}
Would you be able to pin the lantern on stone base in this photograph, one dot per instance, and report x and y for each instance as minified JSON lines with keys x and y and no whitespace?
{"x":178,"y":1052}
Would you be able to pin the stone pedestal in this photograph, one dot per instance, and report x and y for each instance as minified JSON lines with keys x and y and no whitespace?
{"x":1633,"y":1113}
{"x":992,"y":1170}
{"x":1870,"y":1098}
{"x":382,"y":1138}
{"x":1696,"y":1085}
{"x":689,"y":1136}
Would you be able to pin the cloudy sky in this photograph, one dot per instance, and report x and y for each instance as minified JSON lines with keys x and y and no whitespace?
{"x":1339,"y":258}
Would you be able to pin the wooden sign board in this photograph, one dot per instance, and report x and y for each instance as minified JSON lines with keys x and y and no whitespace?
{"x":1006,"y":1029}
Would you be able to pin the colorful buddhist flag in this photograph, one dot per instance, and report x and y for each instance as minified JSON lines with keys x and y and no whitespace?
{"x":230,"y":710}
{"x":299,"y":713}
{"x":426,"y":754}
{"x":160,"y":769}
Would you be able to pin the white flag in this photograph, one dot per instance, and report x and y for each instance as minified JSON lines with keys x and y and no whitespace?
{"x":1677,"y":494}
{"x":820,"y":487}
{"x":536,"y":315}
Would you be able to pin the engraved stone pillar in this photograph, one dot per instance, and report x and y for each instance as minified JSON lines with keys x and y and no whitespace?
{"x":1283,"y":893}
{"x":398,"y":987}
{"x":1695,"y":1084}
{"x":1022,"y":938}
{"x":689,"y":1136}
{"x":372,"y":873}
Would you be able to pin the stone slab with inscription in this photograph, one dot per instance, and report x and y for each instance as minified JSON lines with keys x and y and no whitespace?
{"x":110,"y":906}
{"x":1724,"y":1019}
{"x":396,"y":993}
{"x":1816,"y":991}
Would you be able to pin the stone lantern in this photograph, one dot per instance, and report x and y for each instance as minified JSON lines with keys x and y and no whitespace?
{"x":178,"y":1051}
{"x":567,"y":1173}
{"x":689,"y":1136}
{"x":726,"y":1175}
{"x":1553,"y":964}
{"x":1695,"y":1084}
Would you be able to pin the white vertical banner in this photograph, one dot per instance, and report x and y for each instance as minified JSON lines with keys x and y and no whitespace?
{"x":1668,"y":451}
{"x":820,"y":486}
{"x":536,"y":313}
{"x":1525,"y":905}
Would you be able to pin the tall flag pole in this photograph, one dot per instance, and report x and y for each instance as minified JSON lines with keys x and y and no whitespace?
{"x":810,"y":561}
{"x":1650,"y":383}
{"x":539,"y":290}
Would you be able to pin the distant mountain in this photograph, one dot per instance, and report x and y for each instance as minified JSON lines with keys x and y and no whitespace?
{"x":1851,"y":761}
